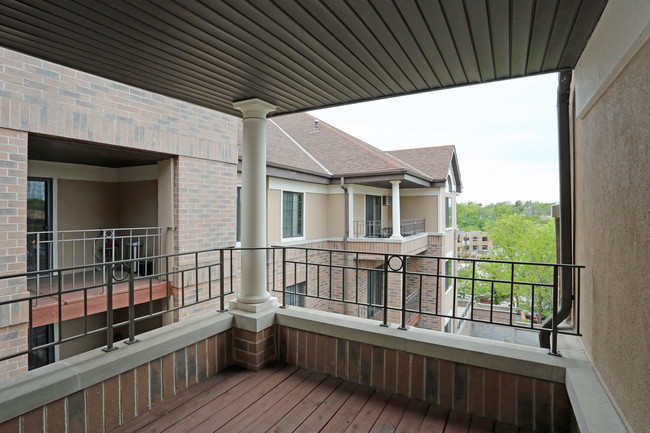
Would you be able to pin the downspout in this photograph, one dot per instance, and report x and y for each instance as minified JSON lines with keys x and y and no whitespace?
{"x":346,"y":198}
{"x":566,"y":252}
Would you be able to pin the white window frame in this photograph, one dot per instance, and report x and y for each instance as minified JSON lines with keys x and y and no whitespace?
{"x":304,"y":216}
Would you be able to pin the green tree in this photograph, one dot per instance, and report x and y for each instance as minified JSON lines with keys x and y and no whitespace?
{"x":516,"y":238}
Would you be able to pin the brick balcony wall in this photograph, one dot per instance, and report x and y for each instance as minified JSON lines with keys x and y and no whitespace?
{"x":13,"y":225}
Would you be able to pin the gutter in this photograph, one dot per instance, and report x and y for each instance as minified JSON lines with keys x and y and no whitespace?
{"x":346,"y":198}
{"x":566,"y":252}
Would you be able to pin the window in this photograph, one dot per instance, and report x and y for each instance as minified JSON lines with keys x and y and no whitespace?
{"x":42,"y":335}
{"x":239,"y":214}
{"x":448,"y":281}
{"x":450,"y":186}
{"x":475,"y":247}
{"x":448,"y":324}
{"x":448,"y":215}
{"x":375,"y":291}
{"x":484,"y":238}
{"x":484,"y":247}
{"x":292,"y":214}
{"x":475,"y":238}
{"x":295,"y":294}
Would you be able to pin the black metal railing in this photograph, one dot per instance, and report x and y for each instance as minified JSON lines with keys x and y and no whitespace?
{"x":384,"y":228}
{"x":397,"y":288}
{"x":179,"y":273}
{"x":505,"y":293}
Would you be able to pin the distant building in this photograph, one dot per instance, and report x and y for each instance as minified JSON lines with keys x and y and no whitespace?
{"x":473,"y":243}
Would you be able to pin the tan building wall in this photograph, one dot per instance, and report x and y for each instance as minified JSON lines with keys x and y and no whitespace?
{"x":415,"y":207}
{"x":612,"y":184}
{"x":273,"y":214}
{"x":336,"y":216}
{"x":316,"y":215}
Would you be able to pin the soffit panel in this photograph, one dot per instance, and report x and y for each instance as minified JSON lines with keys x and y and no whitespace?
{"x":300,"y":54}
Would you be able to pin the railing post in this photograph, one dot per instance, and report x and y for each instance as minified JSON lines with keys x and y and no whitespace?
{"x":403,"y":325}
{"x":284,"y":277}
{"x":385,"y":321}
{"x":132,"y":338}
{"x":222,"y":307}
{"x":109,"y":308}
{"x":554,"y":323}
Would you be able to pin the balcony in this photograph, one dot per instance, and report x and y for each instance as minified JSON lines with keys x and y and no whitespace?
{"x":418,"y":373}
{"x":378,"y":229}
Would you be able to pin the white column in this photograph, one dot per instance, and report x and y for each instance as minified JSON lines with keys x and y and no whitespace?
{"x":396,"y":215}
{"x":253,"y":295}
{"x":351,"y":213}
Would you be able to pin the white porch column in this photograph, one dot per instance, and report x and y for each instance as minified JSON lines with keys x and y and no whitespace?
{"x":396,"y":215}
{"x":253,"y":295}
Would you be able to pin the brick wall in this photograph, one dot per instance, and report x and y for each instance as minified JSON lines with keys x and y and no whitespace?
{"x":117,"y":400}
{"x":526,"y":402}
{"x":13,"y":225}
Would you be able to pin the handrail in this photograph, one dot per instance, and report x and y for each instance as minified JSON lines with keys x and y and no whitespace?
{"x":384,"y":228}
{"x":409,"y":287}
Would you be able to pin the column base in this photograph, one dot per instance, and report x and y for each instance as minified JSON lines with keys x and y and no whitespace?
{"x":253,"y":308}
{"x":396,"y":237}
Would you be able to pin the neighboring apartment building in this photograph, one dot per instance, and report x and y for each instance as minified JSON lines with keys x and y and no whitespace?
{"x":399,"y":202}
{"x":113,"y":172}
{"x":473,"y":243}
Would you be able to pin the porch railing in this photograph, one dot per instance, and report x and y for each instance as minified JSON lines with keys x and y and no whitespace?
{"x":47,"y":250}
{"x":395,"y":288}
{"x":384,"y":229}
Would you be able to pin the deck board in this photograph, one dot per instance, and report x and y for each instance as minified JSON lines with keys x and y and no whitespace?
{"x":282,"y":398}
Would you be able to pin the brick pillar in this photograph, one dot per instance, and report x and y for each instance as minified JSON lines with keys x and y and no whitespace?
{"x":13,"y":238}
{"x":254,"y":350}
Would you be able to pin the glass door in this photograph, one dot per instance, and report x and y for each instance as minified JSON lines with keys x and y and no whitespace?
{"x":373,"y":216}
{"x":39,"y":223}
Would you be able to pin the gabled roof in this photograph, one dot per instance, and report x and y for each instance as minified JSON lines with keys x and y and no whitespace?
{"x":435,"y":161}
{"x":301,"y":143}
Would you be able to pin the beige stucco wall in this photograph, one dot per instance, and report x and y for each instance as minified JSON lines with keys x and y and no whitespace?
{"x":336,"y":216}
{"x":273,"y":217}
{"x":414,"y":207}
{"x":87,"y":204}
{"x":612,"y":192}
{"x":315,"y":216}
{"x":138,"y":203}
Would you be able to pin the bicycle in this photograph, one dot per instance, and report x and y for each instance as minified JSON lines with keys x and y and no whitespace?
{"x":110,"y":250}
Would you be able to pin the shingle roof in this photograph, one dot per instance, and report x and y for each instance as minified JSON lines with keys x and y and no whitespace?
{"x":434,"y":161}
{"x":294,"y":142}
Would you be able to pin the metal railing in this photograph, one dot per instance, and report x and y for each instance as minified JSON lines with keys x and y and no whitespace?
{"x":393,"y":288}
{"x":384,"y":229}
{"x":513,"y":294}
{"x":178,"y":273}
{"x":48,"y":250}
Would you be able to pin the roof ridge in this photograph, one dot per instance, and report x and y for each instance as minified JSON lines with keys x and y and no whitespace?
{"x":300,"y":147}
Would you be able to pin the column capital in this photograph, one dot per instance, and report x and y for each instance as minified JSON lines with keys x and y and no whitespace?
{"x":255,"y":108}
{"x":395,"y":182}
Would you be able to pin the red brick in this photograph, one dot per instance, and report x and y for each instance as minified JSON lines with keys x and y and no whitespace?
{"x":390,"y":374}
{"x":95,"y":407}
{"x":446,"y":384}
{"x":543,"y":406}
{"x":321,"y":353}
{"x":33,"y":421}
{"x":212,"y":355}
{"x":155,"y":382}
{"x":111,"y":403}
{"x":342,"y":358}
{"x":13,"y":425}
{"x":417,"y":377}
{"x":525,"y":402}
{"x":331,"y":368}
{"x":142,"y":389}
{"x":76,"y":412}
{"x":432,"y":366}
{"x":302,"y":348}
{"x":191,"y":365}
{"x":227,"y":349}
{"x":508,"y":398}
{"x":377,"y":367}
{"x":310,"y":361}
{"x":403,"y":373}
{"x":461,"y":385}
{"x":168,"y":376}
{"x":201,"y":361}
{"x":221,"y":351}
{"x":354,"y":357}
{"x":292,"y":347}
{"x":476,"y":391}
{"x":55,"y":413}
{"x":562,"y":411}
{"x":127,"y":395}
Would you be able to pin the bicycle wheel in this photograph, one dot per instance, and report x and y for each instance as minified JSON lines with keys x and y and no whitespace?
{"x":121,"y":271}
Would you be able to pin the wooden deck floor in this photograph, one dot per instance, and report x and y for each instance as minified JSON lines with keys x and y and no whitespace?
{"x":283,"y":398}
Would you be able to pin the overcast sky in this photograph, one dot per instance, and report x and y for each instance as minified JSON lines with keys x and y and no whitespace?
{"x":505,"y":134}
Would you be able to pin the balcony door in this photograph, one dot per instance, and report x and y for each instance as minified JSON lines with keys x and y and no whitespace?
{"x":373,"y":216}
{"x":39,"y":220}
